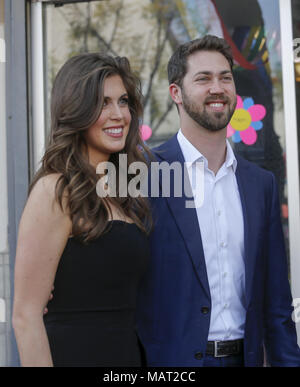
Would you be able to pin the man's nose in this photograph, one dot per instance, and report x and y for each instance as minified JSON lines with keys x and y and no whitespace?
{"x":216,"y":87}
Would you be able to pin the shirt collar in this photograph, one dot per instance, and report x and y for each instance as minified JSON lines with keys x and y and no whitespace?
{"x":191,"y":154}
{"x":230,"y":157}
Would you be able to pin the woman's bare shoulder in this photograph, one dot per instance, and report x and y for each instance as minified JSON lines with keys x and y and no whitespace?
{"x":44,"y":192}
{"x":47,"y":184}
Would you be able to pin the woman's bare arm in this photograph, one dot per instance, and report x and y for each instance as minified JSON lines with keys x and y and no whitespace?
{"x":43,"y":233}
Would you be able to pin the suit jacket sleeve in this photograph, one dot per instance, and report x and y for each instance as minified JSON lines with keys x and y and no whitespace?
{"x":280,"y":333}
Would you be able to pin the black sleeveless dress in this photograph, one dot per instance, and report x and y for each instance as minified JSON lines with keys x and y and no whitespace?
{"x":91,"y":318}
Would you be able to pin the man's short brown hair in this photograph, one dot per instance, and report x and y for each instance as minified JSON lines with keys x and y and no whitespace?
{"x":177,"y":66}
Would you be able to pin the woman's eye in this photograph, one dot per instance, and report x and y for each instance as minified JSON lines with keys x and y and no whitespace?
{"x":124,"y":101}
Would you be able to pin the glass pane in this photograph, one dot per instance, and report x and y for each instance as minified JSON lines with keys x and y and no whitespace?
{"x":254,"y":32}
{"x":148,"y":31}
{"x":137,"y":29}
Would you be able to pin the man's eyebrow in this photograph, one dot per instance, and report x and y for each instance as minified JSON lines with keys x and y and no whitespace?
{"x":210,"y":72}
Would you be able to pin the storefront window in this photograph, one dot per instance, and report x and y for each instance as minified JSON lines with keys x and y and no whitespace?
{"x":147,"y":32}
{"x":140,"y":30}
{"x":253,"y":28}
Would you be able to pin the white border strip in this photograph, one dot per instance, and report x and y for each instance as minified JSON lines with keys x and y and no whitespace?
{"x":38,"y":108}
{"x":290,"y":119}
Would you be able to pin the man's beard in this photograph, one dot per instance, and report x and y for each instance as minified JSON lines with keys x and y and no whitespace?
{"x":213,"y":121}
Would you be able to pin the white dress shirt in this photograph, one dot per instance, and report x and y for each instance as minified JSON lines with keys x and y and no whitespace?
{"x":222,"y":231}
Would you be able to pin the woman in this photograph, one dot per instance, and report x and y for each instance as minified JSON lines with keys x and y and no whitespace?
{"x":93,"y":249}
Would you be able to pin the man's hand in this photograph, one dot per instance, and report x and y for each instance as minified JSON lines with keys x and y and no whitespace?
{"x":50,"y":298}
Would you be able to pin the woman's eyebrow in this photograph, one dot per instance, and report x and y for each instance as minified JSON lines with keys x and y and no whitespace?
{"x":123,"y":95}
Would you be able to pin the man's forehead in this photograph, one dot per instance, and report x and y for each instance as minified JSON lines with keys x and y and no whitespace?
{"x":208,"y":61}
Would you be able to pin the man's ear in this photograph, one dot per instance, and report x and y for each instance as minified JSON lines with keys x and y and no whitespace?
{"x":175,"y":92}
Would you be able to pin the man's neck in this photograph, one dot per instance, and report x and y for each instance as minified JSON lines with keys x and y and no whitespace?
{"x":212,"y":145}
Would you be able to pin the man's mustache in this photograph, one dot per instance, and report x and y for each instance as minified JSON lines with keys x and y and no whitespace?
{"x":217,"y":98}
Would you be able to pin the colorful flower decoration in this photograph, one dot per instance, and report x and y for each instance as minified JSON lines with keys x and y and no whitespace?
{"x":245,"y":121}
{"x":146,"y":132}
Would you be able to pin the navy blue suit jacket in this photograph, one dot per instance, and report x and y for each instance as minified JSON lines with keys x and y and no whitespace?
{"x":171,"y":322}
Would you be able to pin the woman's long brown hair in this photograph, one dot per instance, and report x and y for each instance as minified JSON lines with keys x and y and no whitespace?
{"x":76,"y":104}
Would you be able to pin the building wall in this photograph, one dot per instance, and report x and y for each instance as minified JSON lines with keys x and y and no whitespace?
{"x":4,"y":256}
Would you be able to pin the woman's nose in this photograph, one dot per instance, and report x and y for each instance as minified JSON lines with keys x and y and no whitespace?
{"x":116,"y":112}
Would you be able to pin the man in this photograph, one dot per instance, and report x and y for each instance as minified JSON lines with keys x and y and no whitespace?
{"x":217,"y":289}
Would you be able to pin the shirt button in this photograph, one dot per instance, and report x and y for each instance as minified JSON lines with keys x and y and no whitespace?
{"x":225,"y":306}
{"x":219,"y":213}
{"x":204,"y":309}
{"x":223,"y":244}
{"x":198,"y":356}
{"x":224,"y":275}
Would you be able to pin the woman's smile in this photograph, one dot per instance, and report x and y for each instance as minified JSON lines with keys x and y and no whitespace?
{"x":115,"y":132}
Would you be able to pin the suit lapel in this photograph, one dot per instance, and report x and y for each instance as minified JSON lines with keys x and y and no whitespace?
{"x":185,"y":218}
{"x":249,"y":203}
